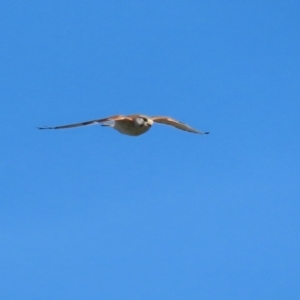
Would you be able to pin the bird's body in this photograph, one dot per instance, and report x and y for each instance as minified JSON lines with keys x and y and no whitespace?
{"x":132,"y":125}
{"x":138,"y":125}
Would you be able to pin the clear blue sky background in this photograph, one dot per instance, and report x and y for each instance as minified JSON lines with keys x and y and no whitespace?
{"x":89,"y":213}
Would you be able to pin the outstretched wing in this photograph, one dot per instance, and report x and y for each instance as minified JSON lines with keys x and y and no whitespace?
{"x":112,"y":118}
{"x":175,"y":123}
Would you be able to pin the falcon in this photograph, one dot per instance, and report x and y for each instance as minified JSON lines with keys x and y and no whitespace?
{"x":132,"y":125}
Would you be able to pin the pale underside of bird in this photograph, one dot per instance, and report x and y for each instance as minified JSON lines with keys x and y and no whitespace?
{"x":133,"y":125}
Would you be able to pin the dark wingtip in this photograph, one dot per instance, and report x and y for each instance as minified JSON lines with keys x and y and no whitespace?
{"x":45,"y":127}
{"x":207,"y":132}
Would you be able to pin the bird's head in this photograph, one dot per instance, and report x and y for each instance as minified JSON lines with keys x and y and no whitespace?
{"x":143,"y":121}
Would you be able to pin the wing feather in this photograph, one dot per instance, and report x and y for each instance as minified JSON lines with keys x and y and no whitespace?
{"x":175,"y":123}
{"x":92,"y":122}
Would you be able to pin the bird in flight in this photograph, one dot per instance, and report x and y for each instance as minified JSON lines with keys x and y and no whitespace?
{"x":133,"y":125}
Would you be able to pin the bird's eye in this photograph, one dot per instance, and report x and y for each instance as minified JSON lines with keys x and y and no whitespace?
{"x":145,"y":119}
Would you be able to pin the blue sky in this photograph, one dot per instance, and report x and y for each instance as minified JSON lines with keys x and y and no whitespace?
{"x":89,"y":213}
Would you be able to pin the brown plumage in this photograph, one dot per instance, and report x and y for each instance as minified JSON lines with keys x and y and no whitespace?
{"x":133,"y":125}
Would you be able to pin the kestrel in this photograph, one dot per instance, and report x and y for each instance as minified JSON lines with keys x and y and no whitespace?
{"x":133,"y":125}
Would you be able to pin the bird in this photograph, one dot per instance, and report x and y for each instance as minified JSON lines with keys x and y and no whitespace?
{"x":133,"y":125}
